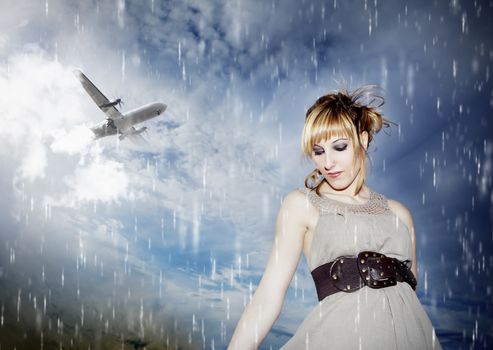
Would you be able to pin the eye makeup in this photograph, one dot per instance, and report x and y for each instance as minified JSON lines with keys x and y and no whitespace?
{"x":340,"y":147}
{"x":317,"y":150}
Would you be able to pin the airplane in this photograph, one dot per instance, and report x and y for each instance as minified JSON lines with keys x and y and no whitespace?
{"x":117,"y":123}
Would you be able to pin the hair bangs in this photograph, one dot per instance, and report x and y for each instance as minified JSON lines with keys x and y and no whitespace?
{"x":322,"y":125}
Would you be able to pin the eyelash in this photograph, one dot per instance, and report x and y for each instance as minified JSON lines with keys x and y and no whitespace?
{"x":343,"y":148}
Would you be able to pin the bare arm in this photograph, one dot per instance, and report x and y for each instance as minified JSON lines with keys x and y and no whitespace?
{"x":405,"y":215}
{"x":259,"y":316}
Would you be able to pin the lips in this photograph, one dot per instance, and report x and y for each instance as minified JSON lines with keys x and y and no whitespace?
{"x":334,"y":174}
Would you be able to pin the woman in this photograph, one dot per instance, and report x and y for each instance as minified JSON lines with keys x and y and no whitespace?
{"x":359,"y":245}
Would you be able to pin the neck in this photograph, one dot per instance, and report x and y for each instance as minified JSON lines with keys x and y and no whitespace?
{"x":349,"y":191}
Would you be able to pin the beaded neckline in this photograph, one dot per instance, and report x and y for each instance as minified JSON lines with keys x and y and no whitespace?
{"x":376,"y":204}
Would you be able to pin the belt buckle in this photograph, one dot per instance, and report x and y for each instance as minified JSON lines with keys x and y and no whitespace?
{"x":339,"y":267}
{"x":377,"y":270}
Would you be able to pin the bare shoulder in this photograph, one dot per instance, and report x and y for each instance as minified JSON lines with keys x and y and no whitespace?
{"x":402,"y":212}
{"x":297,"y":199}
{"x":298,"y":205}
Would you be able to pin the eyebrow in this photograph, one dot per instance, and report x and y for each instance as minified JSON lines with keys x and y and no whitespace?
{"x":342,"y":138}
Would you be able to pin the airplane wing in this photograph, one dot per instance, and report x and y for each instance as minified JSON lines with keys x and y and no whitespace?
{"x":97,"y":96}
{"x":135,"y":136}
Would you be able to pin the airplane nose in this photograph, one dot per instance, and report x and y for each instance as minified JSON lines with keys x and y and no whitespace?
{"x":161,"y":107}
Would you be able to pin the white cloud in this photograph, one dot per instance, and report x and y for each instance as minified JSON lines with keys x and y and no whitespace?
{"x":103,"y":180}
{"x":72,"y":142}
{"x":34,"y":162}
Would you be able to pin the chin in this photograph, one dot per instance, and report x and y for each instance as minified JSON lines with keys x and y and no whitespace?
{"x":338,"y":185}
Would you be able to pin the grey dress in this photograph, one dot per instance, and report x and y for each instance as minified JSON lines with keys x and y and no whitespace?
{"x":385,"y":318}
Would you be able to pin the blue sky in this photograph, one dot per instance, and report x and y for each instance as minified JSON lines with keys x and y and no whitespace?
{"x":104,"y":242}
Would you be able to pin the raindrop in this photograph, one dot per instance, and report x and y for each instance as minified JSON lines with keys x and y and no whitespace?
{"x":141,"y":316}
{"x":231,"y":275}
{"x":18,"y":304}
{"x":426,"y":283}
{"x":162,"y":229}
{"x":213,"y":272}
{"x":123,"y":70}
{"x":239,"y":266}
{"x":82,"y":315}
{"x":464,"y":22}
{"x":296,"y":285}
{"x":174,"y":220}
{"x":179,"y":53}
{"x":120,"y":13}
{"x":204,"y":174}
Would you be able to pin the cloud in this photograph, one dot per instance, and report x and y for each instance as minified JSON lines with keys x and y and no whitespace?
{"x":33,"y":163}
{"x":44,"y":118}
{"x":72,"y":142}
{"x":103,"y":180}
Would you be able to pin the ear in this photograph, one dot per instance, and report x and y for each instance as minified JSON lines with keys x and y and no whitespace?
{"x":364,"y":139}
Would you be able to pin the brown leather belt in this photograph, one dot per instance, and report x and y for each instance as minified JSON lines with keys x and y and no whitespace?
{"x":350,"y":273}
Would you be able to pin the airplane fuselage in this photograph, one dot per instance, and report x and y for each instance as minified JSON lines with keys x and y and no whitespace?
{"x":123,"y":124}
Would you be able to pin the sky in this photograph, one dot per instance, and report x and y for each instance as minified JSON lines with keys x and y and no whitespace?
{"x":108,"y":244}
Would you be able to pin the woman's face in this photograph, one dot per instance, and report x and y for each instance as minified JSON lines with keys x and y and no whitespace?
{"x":334,"y":158}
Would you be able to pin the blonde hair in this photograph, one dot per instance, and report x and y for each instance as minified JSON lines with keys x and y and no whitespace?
{"x":343,"y":114}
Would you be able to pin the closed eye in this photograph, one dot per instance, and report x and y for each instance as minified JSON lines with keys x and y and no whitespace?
{"x":340,"y":148}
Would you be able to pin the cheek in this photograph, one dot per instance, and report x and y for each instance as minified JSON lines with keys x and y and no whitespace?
{"x":347,"y":158}
{"x":318,"y":162}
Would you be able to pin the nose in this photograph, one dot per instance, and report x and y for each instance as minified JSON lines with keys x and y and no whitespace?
{"x":329,"y":163}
